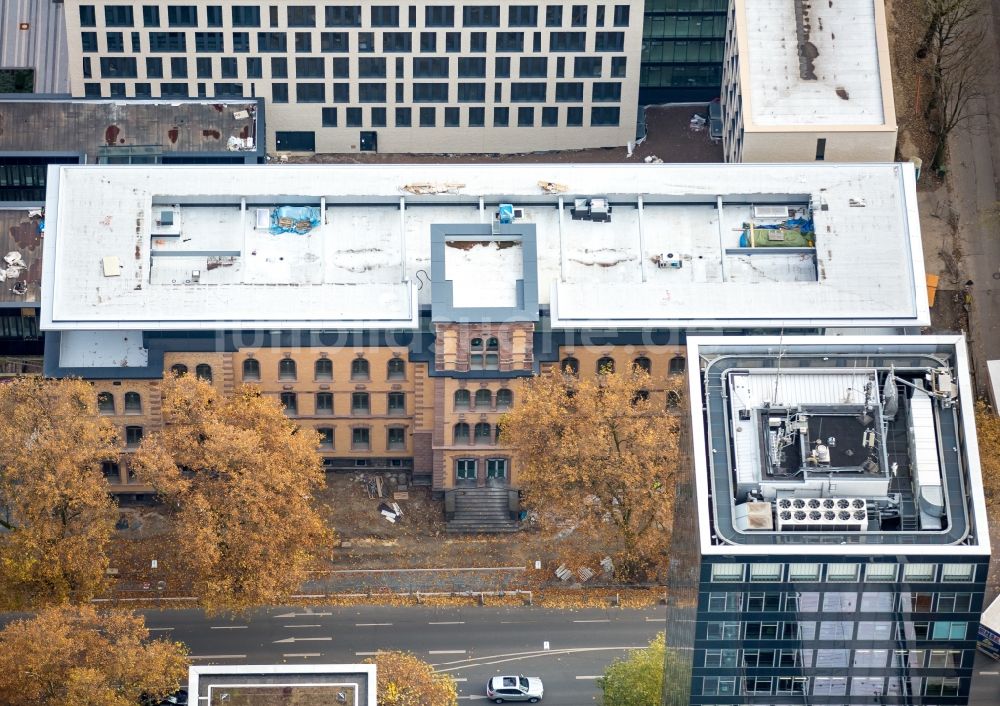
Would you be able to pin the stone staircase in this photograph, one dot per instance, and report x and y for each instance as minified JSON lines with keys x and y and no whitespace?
{"x":481,"y":510}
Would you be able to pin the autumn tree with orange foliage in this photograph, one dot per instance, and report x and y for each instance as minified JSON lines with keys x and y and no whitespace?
{"x":56,"y":516}
{"x":239,"y":480}
{"x":597,"y":454}
{"x":76,"y":655}
{"x":988,"y":431}
{"x":405,"y":680}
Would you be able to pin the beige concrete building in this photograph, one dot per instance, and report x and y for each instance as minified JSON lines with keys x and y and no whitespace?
{"x":807,"y":82}
{"x":422,"y":77}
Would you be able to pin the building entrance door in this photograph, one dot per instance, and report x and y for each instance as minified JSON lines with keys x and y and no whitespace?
{"x":369,"y":141}
{"x":465,"y":471}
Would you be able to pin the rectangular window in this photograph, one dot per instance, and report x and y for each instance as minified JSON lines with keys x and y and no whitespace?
{"x":874,"y":630}
{"x":133,"y":437}
{"x":203,"y":67}
{"x":722,"y":686}
{"x":471,"y":67}
{"x":178,"y":67}
{"x":871,"y":659}
{"x":174,"y":90}
{"x":759,"y":686}
{"x":89,"y":41}
{"x":334,"y":42}
{"x":303,"y":42}
{"x":428,"y":117}
{"x":453,"y":42}
{"x":310,"y":93}
{"x":88,"y":17}
{"x":430,"y":67}
{"x":477,"y":117}
{"x":621,"y":15}
{"x":553,"y":15}
{"x":118,"y":16}
{"x":954,"y":602}
{"x":876,"y":602}
{"x":881,"y":573}
{"x":385,"y":16}
{"x":119,"y":67}
{"x":396,"y":438}
{"x":831,"y":658}
{"x":721,"y":658}
{"x":154,"y":67}
{"x":527,"y":92}
{"x":324,"y":403}
{"x":567,"y":41}
{"x":451,"y":117}
{"x":182,"y":15}
{"x":397,"y":42}
{"x":605,"y":91}
{"x":167,"y":42}
{"x":439,"y":16}
{"x":766,"y":572}
{"x":522,"y":16}
{"x":279,"y":67}
{"x":272,"y":42}
{"x":343,"y":15}
{"x":842,"y":572}
{"x":916,"y":602}
{"x":722,"y":630}
{"x":510,"y":41}
{"x":836,"y":630}
{"x":371,"y":92}
{"x":477,"y":42}
{"x":722,"y":602}
{"x":213,"y":16}
{"x":428,"y":42}
{"x":578,"y":16}
{"x":480,"y":16}
{"x":371,"y":67}
{"x":424,"y":92}
{"x":830,"y":686}
{"x":533,"y":67}
{"x":918,"y":572}
{"x":309,"y":67}
{"x":941,"y":686}
{"x":325,"y":437}
{"x":944,"y":659}
{"x":820,"y":149}
{"x":241,"y":42}
{"x":587,"y":66}
{"x":400,"y":93}
{"x":378,"y":117}
{"x":963,"y":573}
{"x":525,"y":117}
{"x":279,"y":92}
{"x":471,"y":92}
{"x":501,"y":67}
{"x":908,"y":659}
{"x":366,"y":41}
{"x":609,"y":41}
{"x":301,"y":16}
{"x":574,"y":117}
{"x":727,"y":572}
{"x":354,"y":119}
{"x":208,"y":41}
{"x":792,"y":685}
{"x":341,"y":93}
{"x":246,"y":16}
{"x":115,"y":42}
{"x":569,"y":92}
{"x":840,"y":601}
{"x":604,"y":116}
{"x":360,"y":439}
{"x":329,"y":117}
{"x":501,"y":117}
{"x":404,"y":117}
{"x":949,"y":630}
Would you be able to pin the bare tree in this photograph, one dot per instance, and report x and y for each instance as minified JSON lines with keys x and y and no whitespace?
{"x":952,"y":44}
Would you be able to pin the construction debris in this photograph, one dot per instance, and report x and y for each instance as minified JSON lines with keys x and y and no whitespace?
{"x":551,"y":187}
{"x":585,"y":574}
{"x":563,"y":573}
{"x":428,"y":188}
{"x":607,"y":565}
{"x":652,"y":159}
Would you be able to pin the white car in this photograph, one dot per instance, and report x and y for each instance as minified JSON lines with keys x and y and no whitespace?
{"x":515,"y":688}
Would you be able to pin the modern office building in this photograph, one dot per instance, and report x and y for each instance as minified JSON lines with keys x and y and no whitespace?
{"x":842,"y":525}
{"x":807,"y":81}
{"x":395,"y":308}
{"x":424,"y":77}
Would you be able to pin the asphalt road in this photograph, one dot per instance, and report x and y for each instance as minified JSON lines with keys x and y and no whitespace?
{"x":567,"y":649}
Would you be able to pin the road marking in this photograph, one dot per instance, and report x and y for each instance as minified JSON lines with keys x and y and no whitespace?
{"x":588,"y":677}
{"x":365,"y":654}
{"x":656,"y":620}
{"x":303,"y":639}
{"x":230,"y":627}
{"x":459,"y":679}
{"x":449,"y":622}
{"x":302,"y":654}
{"x":473,"y":697}
{"x":446,"y":652}
{"x":989,"y":674}
{"x":545,"y":645}
{"x":217,"y":656}
{"x":483,"y":660}
{"x":603,"y":620}
{"x":370,"y":625}
{"x":300,"y":615}
{"x":152,"y":629}
{"x":316,"y":625}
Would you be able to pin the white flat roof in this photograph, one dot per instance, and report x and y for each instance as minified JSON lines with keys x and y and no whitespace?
{"x":670,"y":256}
{"x":813,"y":63}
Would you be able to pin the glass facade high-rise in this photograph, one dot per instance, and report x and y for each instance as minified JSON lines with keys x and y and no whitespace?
{"x":844,"y":547}
{"x":683,"y":42}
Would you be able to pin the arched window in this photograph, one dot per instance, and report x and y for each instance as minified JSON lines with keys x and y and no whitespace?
{"x":462,"y":398}
{"x":605,"y":365}
{"x":133,"y":403}
{"x":203,"y":371}
{"x":323,"y":369}
{"x":644,"y":364}
{"x":461,"y":433}
{"x":133,"y":437}
{"x":105,"y":403}
{"x":396,"y":369}
{"x":287,"y":370}
{"x":484,"y":398}
{"x":505,"y":398}
{"x":677,"y":365}
{"x":359,"y":369}
{"x":484,"y":433}
{"x":179,"y":369}
{"x":251,"y":370}
{"x":570,"y":366}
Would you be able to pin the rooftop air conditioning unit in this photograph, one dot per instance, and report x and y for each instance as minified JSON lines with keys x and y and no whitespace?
{"x":821,"y":514}
{"x":770,"y":211}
